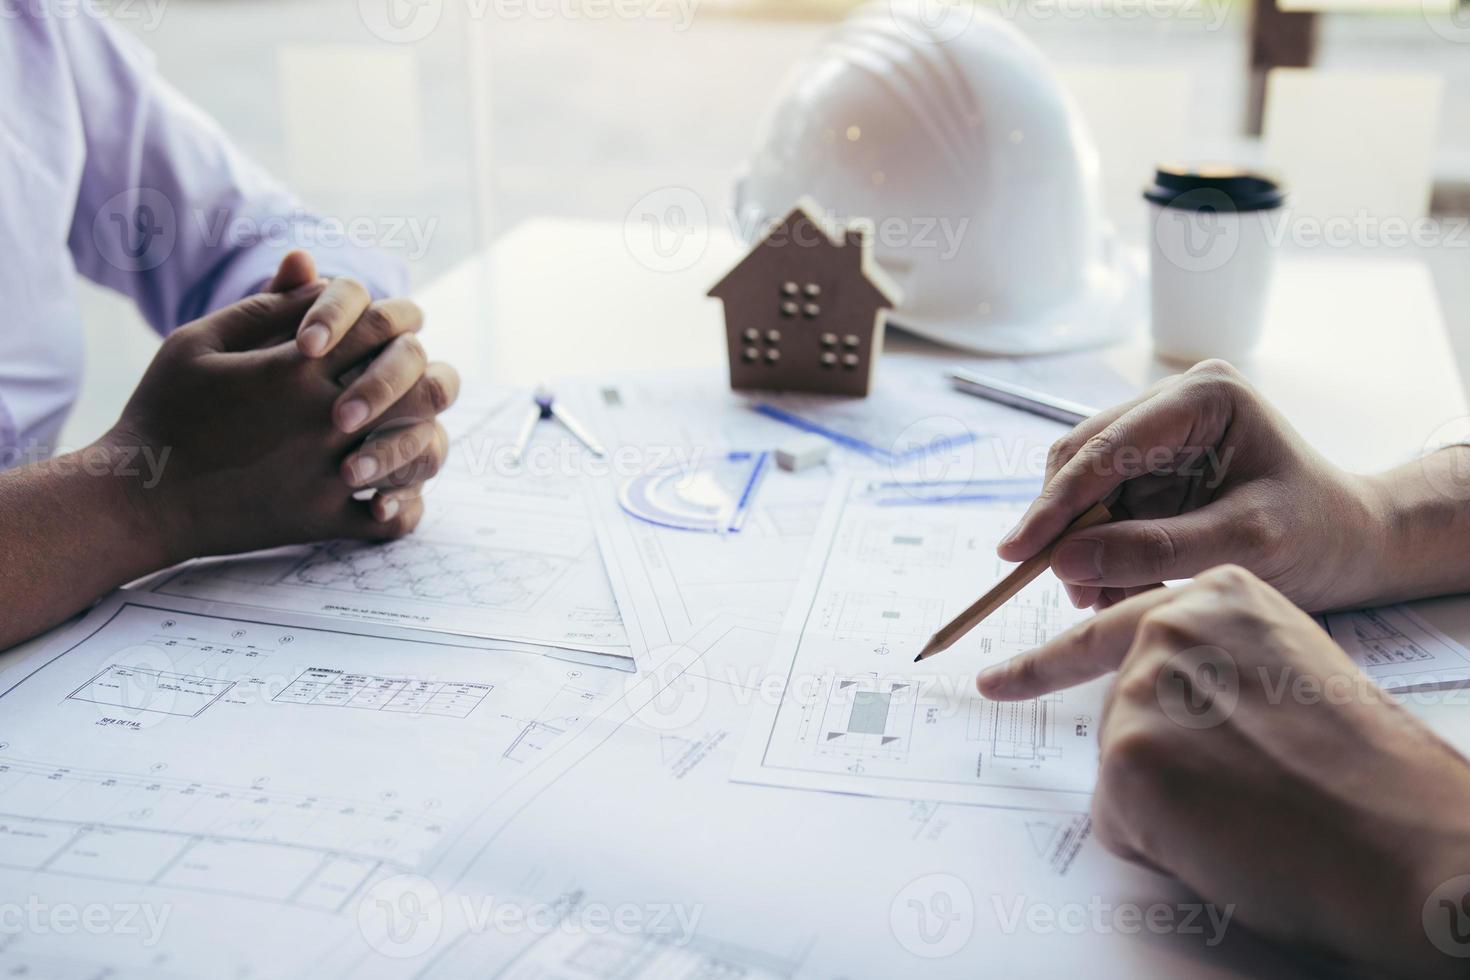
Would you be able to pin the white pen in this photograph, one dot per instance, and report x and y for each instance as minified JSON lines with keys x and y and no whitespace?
{"x":1016,"y":396}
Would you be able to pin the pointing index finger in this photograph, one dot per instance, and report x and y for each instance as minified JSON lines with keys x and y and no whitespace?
{"x":1090,"y":649}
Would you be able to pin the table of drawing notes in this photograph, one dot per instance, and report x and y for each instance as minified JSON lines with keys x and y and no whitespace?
{"x":330,"y":687}
{"x":669,"y":755}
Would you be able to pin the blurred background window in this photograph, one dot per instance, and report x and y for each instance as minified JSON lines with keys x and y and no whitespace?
{"x":438,"y":124}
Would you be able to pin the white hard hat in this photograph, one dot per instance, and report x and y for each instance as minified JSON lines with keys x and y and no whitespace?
{"x":977,"y":178}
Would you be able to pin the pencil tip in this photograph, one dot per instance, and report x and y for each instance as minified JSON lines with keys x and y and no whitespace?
{"x":918,"y":658}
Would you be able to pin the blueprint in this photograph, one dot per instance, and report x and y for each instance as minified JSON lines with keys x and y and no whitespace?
{"x":306,"y":794}
{"x":669,"y":583}
{"x":1398,"y":649}
{"x":866,"y":887}
{"x":503,"y":551}
{"x":262,"y":767}
{"x":856,"y":715}
{"x":264,"y":799}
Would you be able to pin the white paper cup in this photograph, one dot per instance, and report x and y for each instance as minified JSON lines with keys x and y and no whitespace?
{"x":1211,"y":262}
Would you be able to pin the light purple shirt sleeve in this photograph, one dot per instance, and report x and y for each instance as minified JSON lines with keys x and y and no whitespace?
{"x":168,"y":211}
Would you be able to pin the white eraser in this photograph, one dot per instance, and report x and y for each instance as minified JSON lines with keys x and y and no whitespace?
{"x":802,"y":453}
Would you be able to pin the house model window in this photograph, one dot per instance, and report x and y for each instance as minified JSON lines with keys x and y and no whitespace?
{"x":805,"y":310}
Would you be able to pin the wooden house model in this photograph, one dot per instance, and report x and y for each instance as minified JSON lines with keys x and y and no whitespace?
{"x":805,"y":309}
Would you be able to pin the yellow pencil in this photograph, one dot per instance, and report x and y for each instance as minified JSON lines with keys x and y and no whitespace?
{"x":1020,"y":577}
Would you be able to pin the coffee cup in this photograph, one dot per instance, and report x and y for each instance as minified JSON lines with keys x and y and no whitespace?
{"x":1212,"y":258}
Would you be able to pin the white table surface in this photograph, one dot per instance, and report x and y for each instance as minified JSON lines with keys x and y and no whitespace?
{"x":1355,"y":351}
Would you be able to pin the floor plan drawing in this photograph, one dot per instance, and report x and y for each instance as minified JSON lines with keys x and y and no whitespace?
{"x":273,"y":777}
{"x":564,"y":713}
{"x":882,"y":619}
{"x":144,"y":689}
{"x":855,"y":715}
{"x":670,"y":583}
{"x":502,"y":553}
{"x":1397,"y":648}
{"x":863,"y":717}
{"x":323,"y":724}
{"x":437,"y":572}
{"x":1021,"y":729}
{"x":908,"y":542}
{"x":570,"y":951}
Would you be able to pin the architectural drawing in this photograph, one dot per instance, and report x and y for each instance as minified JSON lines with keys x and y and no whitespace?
{"x":856,"y":716}
{"x":882,"y":619}
{"x":434,"y":572}
{"x":144,"y":689}
{"x":566,"y":712}
{"x":911,"y":541}
{"x":111,"y":763}
{"x":862,"y":718}
{"x":621,"y":957}
{"x":1025,"y":730}
{"x":1398,"y":648}
{"x":500,"y":553}
{"x":343,"y":689}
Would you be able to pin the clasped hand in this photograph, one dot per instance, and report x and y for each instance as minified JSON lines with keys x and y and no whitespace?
{"x":276,"y":411}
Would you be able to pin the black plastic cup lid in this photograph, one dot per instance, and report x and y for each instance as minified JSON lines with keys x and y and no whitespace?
{"x":1194,"y":188}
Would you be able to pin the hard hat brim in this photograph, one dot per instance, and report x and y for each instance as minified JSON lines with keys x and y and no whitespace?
{"x":1113,"y":310}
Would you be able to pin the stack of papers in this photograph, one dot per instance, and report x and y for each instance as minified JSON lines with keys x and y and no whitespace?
{"x":544,"y":738}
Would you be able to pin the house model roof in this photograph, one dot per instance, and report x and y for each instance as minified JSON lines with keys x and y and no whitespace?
{"x":781,"y":250}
